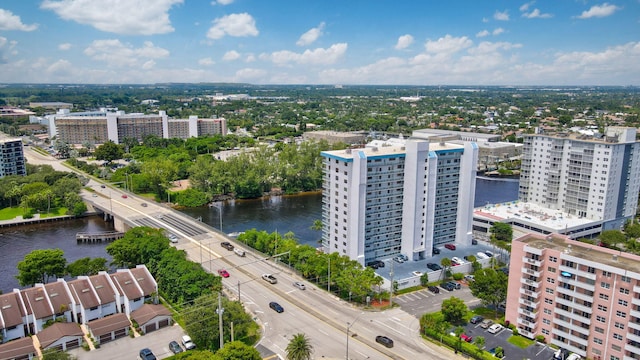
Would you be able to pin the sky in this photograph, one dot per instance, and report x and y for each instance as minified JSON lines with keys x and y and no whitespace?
{"x":328,"y":42}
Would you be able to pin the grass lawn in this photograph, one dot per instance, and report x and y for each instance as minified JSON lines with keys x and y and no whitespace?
{"x":520,"y":341}
{"x":54,"y":212}
{"x":11,"y":213}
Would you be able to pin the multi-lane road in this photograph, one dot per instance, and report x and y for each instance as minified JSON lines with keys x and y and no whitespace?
{"x":318,"y":314}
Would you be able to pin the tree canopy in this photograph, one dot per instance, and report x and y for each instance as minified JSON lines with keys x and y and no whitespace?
{"x":490,"y":286}
{"x":454,"y":310}
{"x":299,"y":347}
{"x":39,"y":265}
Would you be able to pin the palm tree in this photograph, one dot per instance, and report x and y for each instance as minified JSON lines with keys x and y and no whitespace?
{"x":299,"y":347}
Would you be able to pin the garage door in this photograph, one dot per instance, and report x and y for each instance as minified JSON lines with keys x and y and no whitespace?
{"x":163,"y":323}
{"x":105,"y":338}
{"x":120,"y":333}
{"x":73,"y":344}
{"x":150,"y":327}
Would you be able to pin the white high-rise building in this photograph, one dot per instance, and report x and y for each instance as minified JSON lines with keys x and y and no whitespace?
{"x":589,"y":176}
{"x":398,"y":197}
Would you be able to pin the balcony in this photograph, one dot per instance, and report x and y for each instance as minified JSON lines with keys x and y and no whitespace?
{"x":528,"y":271}
{"x":535,"y":284}
{"x":631,"y":348}
{"x":635,"y":313}
{"x":526,"y":333}
{"x":571,"y":326}
{"x":528,"y":260}
{"x":533,"y":294}
{"x":570,"y":336}
{"x":525,"y":322}
{"x":529,"y":303}
{"x":577,"y":272}
{"x":635,"y":301}
{"x":634,"y":337}
{"x":573,"y":305}
{"x":531,"y":314}
{"x":634,"y":325}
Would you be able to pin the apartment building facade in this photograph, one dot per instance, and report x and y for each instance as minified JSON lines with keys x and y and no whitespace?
{"x":580,"y":297}
{"x":12,"y":160}
{"x":590,"y":176}
{"x":98,"y":127}
{"x":397,"y":197}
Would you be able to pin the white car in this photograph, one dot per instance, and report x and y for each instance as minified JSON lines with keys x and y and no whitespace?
{"x":299,"y":285}
{"x":457,"y":261}
{"x":481,"y":255}
{"x":574,"y":357}
{"x":495,"y":328}
{"x":187,"y":343}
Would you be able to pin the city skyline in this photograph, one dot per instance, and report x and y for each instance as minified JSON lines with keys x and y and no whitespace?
{"x":321,"y":42}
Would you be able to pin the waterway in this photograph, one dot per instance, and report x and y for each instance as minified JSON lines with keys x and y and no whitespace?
{"x":281,"y":213}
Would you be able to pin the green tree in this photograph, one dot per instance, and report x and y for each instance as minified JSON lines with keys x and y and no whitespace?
{"x":87,"y":266}
{"x":454,"y":310}
{"x":55,"y":354}
{"x":501,"y":232}
{"x":611,"y":238}
{"x":138,"y":246}
{"x":39,"y":265}
{"x":446,"y":265}
{"x":299,"y":347}
{"x":109,"y":151}
{"x":479,"y":342}
{"x":237,"y":350}
{"x":490,"y":286}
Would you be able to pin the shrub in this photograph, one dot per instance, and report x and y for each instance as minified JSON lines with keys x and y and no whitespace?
{"x":540,"y":338}
{"x":458,"y":276}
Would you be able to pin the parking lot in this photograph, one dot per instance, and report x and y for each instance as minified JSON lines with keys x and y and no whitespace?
{"x":424,"y":301}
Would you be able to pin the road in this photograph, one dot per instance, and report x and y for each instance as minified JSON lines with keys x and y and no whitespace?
{"x":321,"y":316}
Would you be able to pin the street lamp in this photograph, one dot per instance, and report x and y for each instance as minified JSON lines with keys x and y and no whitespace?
{"x":349,"y":325}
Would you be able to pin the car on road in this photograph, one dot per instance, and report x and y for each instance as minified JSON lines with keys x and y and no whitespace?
{"x":124,"y":196}
{"x":434,"y":289}
{"x":435,"y":251}
{"x":380,"y":339}
{"x":466,"y":338}
{"x":175,"y":347}
{"x":187,"y":343}
{"x":276,"y":307}
{"x":375,"y":264}
{"x":495,"y":328}
{"x":434,"y":267}
{"x":94,"y":195}
{"x":146,"y":354}
{"x":227,"y":245}
{"x":239,"y":252}
{"x":476,"y":319}
{"x":173,"y":238}
{"x":224,"y":273}
{"x":269,"y":278}
{"x":486,"y":323}
{"x":450,"y":246}
{"x":102,"y":186}
{"x":299,"y":285}
{"x":143,"y":204}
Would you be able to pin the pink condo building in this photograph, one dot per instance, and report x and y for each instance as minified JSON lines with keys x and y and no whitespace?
{"x":580,"y":297}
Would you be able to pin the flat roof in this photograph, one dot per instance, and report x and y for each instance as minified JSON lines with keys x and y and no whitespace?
{"x":532,"y":214}
{"x":380,"y":148}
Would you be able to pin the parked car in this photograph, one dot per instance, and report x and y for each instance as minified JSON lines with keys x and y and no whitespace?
{"x":239,"y":252}
{"x":561,"y":354}
{"x":398,"y":259}
{"x":434,"y":289}
{"x":486,"y":323}
{"x":481,"y":256}
{"x":146,"y":354}
{"x":450,"y":246}
{"x":375,"y":264}
{"x":175,"y":347}
{"x":476,"y":319}
{"x":574,"y":357}
{"x":466,"y":338}
{"x":187,"y":343}
{"x":456,"y":261}
{"x":447,"y":286}
{"x":454,"y":284}
{"x":434,"y":267}
{"x":299,"y":285}
{"x":384,"y":341}
{"x":495,"y":328}
{"x":469,"y":278}
{"x":224,"y":273}
{"x":227,"y":245}
{"x":269,"y":278}
{"x":276,"y":307}
{"x":435,"y":251}
{"x":474,"y":242}
{"x":489,"y":253}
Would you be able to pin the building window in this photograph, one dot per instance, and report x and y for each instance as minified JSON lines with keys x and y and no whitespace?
{"x":604,"y":296}
{"x":551,"y":269}
{"x":606,"y":273}
{"x":619,"y":326}
{"x":602,"y":308}
{"x":548,"y":301}
{"x":553,"y":259}
{"x":547,"y":311}
{"x":601,"y":319}
{"x":605,"y":285}
{"x":549,"y":291}
{"x":621,"y":314}
{"x":551,"y":281}
{"x":617,"y":336}
{"x":623,"y":302}
{"x":545,"y":331}
{"x":616,"y":348}
{"x":624,"y":291}
{"x":597,"y":341}
{"x":546,"y":321}
{"x":625,"y":279}
{"x":599,"y":329}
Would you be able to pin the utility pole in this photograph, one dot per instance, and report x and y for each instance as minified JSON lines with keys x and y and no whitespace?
{"x":220,"y":310}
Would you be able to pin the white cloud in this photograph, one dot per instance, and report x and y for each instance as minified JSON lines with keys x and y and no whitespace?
{"x":117,"y":54}
{"x":311,"y":36}
{"x":141,"y":17}
{"x":483,"y":33}
{"x":60,"y":69}
{"x":7,"y":47}
{"x":222,"y":2}
{"x":249,"y":74}
{"x":237,"y":25}
{"x":64,"y":46}
{"x":316,"y":56}
{"x":502,"y":16}
{"x":603,"y":10}
{"x":250,"y":58}
{"x":231,"y":55}
{"x":448,"y":44}
{"x":8,"y":21}
{"x":404,"y":41}
{"x":206,"y":61}
{"x":148,"y":65}
{"x":497,"y":31}
{"x":536,"y":14}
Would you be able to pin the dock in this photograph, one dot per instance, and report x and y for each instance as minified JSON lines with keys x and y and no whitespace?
{"x":98,"y":237}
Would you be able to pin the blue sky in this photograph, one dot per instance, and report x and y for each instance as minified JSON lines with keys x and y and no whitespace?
{"x":382,"y":42}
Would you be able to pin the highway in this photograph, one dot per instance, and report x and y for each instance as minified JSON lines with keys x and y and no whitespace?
{"x":321,"y":316}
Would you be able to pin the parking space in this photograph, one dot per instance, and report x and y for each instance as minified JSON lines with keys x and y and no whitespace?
{"x":424,"y":301}
{"x":536,"y":351}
